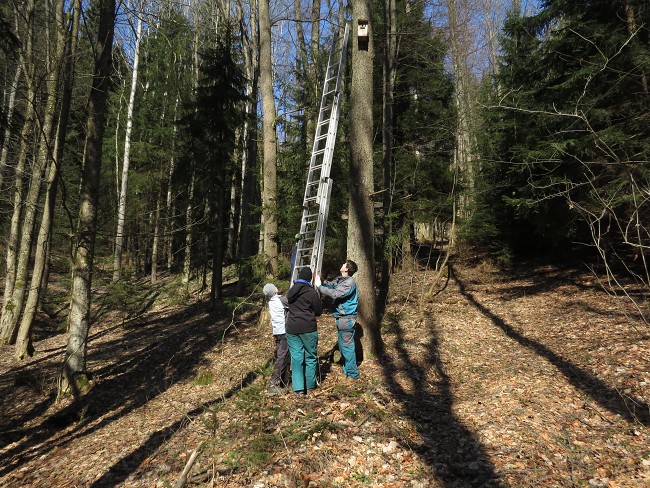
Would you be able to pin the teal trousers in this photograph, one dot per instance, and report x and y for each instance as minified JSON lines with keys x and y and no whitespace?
{"x":304,"y":359}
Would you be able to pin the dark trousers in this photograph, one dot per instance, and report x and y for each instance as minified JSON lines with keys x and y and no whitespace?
{"x":279,"y":377}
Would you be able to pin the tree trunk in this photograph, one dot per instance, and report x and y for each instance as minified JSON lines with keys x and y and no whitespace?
{"x":156,"y":240}
{"x":312,"y":79}
{"x":42,"y":253}
{"x":465,"y":158}
{"x":216,"y":288}
{"x":7,"y":333}
{"x":187,"y":260}
{"x":11,"y":315}
{"x":74,"y":365}
{"x":169,"y":206}
{"x":9,"y":114}
{"x":269,"y":203}
{"x":7,"y":318}
{"x":121,"y":209}
{"x":389,"y":74}
{"x":249,"y":153}
{"x":361,"y":211}
{"x":235,"y":199}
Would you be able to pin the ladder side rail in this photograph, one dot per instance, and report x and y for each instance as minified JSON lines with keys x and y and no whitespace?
{"x":319,"y":239}
{"x":311,"y":244}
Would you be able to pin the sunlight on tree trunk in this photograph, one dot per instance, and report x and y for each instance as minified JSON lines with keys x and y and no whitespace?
{"x":361,"y":232}
{"x":74,"y":366}
{"x":269,"y":168}
{"x":121,"y":208}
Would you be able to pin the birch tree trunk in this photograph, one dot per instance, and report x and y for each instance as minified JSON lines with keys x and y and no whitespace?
{"x":156,"y":242}
{"x":249,"y":154}
{"x":74,"y":365}
{"x":269,"y":202}
{"x":187,"y":259}
{"x":42,"y":252}
{"x":361,"y":223}
{"x":121,"y":209}
{"x":169,"y":205}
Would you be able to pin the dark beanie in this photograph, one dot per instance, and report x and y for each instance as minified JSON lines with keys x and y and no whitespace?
{"x":304,"y":274}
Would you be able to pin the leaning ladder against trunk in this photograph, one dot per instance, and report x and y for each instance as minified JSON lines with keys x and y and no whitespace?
{"x":316,"y":203}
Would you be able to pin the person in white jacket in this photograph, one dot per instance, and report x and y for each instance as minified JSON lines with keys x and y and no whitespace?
{"x":278,"y":306}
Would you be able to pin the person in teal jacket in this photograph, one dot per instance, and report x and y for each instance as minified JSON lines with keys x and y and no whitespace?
{"x":343,"y":291}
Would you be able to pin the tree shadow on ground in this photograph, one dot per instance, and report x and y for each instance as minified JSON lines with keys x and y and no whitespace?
{"x":630,"y":408}
{"x":140,"y":365}
{"x":124,"y":467}
{"x":454,"y":453}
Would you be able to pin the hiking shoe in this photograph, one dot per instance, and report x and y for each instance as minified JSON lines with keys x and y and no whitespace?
{"x":274,"y":390}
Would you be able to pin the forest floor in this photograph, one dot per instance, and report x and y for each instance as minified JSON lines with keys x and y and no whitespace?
{"x":534,"y":378}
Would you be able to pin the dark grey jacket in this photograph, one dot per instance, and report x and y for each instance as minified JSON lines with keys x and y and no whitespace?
{"x":304,"y":307}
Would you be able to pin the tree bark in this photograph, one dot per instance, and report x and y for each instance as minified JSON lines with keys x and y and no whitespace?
{"x":249,"y":154}
{"x":74,"y":365}
{"x":361,"y":221}
{"x":169,"y":206}
{"x":389,"y":74}
{"x":11,"y":315}
{"x":269,"y":202}
{"x":156,"y":242}
{"x":10,"y":112}
{"x":42,"y":252}
{"x":187,"y":260}
{"x":312,"y":71}
{"x":121,"y":209}
{"x":465,"y":157}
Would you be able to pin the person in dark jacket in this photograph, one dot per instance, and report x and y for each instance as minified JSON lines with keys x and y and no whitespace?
{"x":302,"y":331}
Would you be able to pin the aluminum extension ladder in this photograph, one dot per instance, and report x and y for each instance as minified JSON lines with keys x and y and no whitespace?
{"x":316,"y":201}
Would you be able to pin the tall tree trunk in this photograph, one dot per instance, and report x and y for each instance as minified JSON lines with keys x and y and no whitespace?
{"x":361,"y":221}
{"x":187,"y":260}
{"x":302,"y":77}
{"x":269,"y":202}
{"x":389,"y":74}
{"x":632,"y":29}
{"x":169,"y":205}
{"x":74,"y":365}
{"x":121,"y":209}
{"x":235,"y":197}
{"x":249,"y":154}
{"x":7,"y":322}
{"x":465,"y":157}
{"x":313,"y":71}
{"x":216,"y":288}
{"x":42,"y":253}
{"x":6,"y":331}
{"x":11,"y":315}
{"x":4,"y":152}
{"x":156,"y":241}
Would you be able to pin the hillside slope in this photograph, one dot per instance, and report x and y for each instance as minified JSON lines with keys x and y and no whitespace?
{"x":534,"y":379}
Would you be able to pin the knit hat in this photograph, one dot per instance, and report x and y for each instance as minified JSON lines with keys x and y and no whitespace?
{"x":269,"y":290}
{"x":304,"y":274}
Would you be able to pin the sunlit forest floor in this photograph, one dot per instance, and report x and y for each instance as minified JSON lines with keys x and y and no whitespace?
{"x":535,"y":378}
